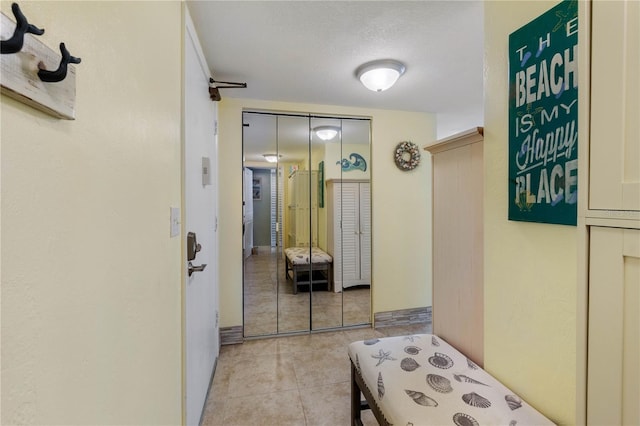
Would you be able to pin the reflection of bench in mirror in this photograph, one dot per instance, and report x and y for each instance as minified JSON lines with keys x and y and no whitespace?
{"x":297,"y":261}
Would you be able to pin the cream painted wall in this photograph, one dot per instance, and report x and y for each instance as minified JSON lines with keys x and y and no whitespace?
{"x":338,"y":151}
{"x":530,"y":269}
{"x":91,"y":293}
{"x":401,"y":206}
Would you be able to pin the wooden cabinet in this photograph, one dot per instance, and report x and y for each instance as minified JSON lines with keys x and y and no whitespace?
{"x":614,"y":327}
{"x":303,"y":209}
{"x":614,"y":182}
{"x":349,"y":232}
{"x":611,"y":211}
{"x":458,"y":314}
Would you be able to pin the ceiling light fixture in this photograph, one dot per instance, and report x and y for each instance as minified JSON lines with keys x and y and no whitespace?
{"x":380,"y":75}
{"x":271,"y":158}
{"x":326,"y":133}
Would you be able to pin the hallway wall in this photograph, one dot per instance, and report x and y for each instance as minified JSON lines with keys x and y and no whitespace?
{"x":530,"y":268}
{"x":91,"y":295}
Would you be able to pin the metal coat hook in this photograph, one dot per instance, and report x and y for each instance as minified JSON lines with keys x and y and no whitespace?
{"x":14,"y":44}
{"x":61,"y":72}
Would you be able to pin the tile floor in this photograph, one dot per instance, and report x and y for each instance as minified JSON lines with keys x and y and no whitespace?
{"x":295,"y":380}
{"x":271,"y":307}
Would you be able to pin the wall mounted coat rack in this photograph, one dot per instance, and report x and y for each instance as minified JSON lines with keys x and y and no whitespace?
{"x":215,"y":85}
{"x":31,"y":72}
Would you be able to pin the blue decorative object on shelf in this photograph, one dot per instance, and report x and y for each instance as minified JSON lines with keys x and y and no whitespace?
{"x":357,"y":163}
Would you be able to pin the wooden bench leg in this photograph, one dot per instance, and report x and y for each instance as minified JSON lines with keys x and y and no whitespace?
{"x":356,"y":409}
{"x":295,"y":279}
{"x":358,"y":389}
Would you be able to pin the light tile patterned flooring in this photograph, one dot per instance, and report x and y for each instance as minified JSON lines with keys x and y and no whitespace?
{"x":267,"y":311}
{"x":295,"y":380}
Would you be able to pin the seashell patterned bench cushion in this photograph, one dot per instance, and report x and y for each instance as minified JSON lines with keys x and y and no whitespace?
{"x":421,"y":379}
{"x":300,"y":255}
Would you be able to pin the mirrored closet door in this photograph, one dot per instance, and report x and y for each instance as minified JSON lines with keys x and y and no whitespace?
{"x":306,"y":222}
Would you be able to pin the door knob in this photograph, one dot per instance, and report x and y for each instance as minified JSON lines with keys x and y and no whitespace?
{"x":192,"y":246}
{"x":199,"y":268}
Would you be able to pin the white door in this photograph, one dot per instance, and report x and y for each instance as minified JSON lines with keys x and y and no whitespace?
{"x":201,"y":289}
{"x":365,"y":232}
{"x":350,"y":218}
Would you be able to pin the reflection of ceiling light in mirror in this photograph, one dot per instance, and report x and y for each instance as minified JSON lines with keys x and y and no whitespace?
{"x":326,"y":132}
{"x":380,"y":75}
{"x":271,"y":158}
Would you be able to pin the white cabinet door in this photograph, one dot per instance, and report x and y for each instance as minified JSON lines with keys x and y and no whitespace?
{"x":615,"y":106}
{"x":614,"y":327}
{"x":349,"y":211}
{"x":365,"y":232}
{"x":349,"y":233}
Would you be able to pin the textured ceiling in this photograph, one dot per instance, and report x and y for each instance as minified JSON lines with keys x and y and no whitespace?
{"x":307,"y":51}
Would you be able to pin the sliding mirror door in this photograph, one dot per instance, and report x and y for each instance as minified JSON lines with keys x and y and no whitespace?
{"x":262,"y":260}
{"x":345,"y":221}
{"x":326,"y":134}
{"x":312,"y":204}
{"x":355,"y":212}
{"x":299,"y":224}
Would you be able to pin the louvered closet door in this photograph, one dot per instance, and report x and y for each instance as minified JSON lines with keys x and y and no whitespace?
{"x":349,"y":211}
{"x":365,"y":233}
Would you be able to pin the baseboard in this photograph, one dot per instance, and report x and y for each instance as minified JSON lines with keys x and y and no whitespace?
{"x":231,"y":335}
{"x":234,"y":335}
{"x":206,"y":398}
{"x":402,"y":317}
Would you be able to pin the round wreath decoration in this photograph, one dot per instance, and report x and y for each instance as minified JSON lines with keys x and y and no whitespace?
{"x":407,"y":155}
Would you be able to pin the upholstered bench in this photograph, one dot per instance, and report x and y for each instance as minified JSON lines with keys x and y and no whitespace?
{"x":422,"y":380}
{"x":304,"y":262}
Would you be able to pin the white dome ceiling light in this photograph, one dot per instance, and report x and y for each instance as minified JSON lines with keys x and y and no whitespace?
{"x":380,"y":75}
{"x":326,"y":133}
{"x":271,"y":158}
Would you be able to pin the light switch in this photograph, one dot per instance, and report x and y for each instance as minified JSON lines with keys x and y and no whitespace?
{"x":206,"y":171}
{"x":175,"y":221}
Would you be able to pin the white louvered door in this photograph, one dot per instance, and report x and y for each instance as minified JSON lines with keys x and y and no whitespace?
{"x":365,"y":232}
{"x":349,"y":239}
{"x":350,"y":233}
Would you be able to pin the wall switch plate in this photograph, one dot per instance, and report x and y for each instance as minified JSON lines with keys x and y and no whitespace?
{"x":206,"y":171}
{"x":175,"y":221}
